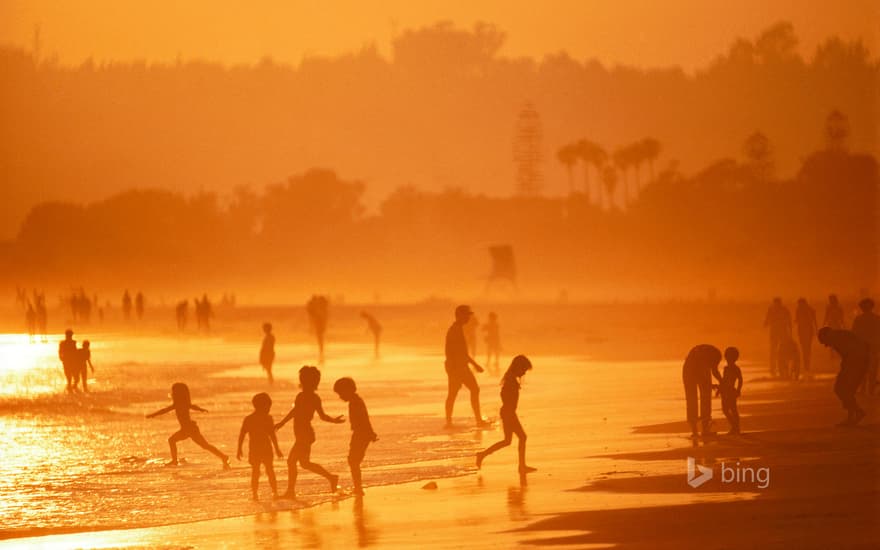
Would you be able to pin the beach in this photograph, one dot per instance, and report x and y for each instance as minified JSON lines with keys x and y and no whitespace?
{"x":603,"y":409}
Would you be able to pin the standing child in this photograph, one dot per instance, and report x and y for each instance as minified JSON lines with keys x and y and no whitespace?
{"x":181,"y":405}
{"x":267,"y":350}
{"x":305,"y":406}
{"x":260,"y":430}
{"x":362,"y":433}
{"x":730,"y":388}
{"x":84,"y":356}
{"x":509,"y":399}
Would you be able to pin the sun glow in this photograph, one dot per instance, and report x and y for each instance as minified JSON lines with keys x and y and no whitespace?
{"x":26,"y":365}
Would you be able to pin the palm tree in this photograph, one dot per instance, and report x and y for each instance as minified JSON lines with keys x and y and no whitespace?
{"x":609,"y":178}
{"x":623,"y":159}
{"x":568,"y":155}
{"x":650,"y":150}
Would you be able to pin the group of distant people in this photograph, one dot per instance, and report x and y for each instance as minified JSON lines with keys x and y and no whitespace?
{"x":36,"y":316}
{"x":203,"y":309}
{"x":127,"y":305}
{"x":75,"y":362}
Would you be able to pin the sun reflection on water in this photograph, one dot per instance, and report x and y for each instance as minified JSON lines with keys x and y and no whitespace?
{"x":28,"y":368}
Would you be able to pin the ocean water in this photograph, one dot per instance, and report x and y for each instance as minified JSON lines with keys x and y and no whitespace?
{"x":92,"y":461}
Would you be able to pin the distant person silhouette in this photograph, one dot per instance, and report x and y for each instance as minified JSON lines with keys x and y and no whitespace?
{"x":493,"y":342}
{"x":457,"y":366}
{"x":181,"y":404}
{"x":30,"y":319}
{"x":834,"y":314}
{"x":181,"y":313}
{"x":788,"y":359}
{"x":362,"y":433}
{"x":84,"y":361}
{"x":305,"y":406}
{"x":42,"y":315}
{"x":700,"y":366}
{"x":139,"y":305}
{"x":67,"y":352}
{"x":205,"y":312}
{"x":510,"y":385}
{"x":267,"y":351}
{"x":855,"y":356}
{"x":126,"y":306}
{"x":778,"y":320}
{"x":866,"y":326}
{"x":805,"y":320}
{"x":730,"y":389}
{"x":376,"y":329}
{"x":317,"y":309}
{"x":260,"y":430}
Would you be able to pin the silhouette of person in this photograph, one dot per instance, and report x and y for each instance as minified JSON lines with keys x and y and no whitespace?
{"x":181,"y":312}
{"x":362,"y":433}
{"x":42,"y":315}
{"x":457,"y":362}
{"x":730,"y":389}
{"x":700,"y":365}
{"x":854,"y":359}
{"x":30,"y":319}
{"x":259,"y":428}
{"x":317,"y":309}
{"x":126,"y":305}
{"x":805,"y":320}
{"x":305,"y":406}
{"x":84,"y":361}
{"x":510,"y":386}
{"x":376,"y":329}
{"x":206,"y":312}
{"x":181,"y":404}
{"x":493,"y":341}
{"x":778,"y":320}
{"x":139,"y":305}
{"x":67,"y":352}
{"x":866,"y":326}
{"x":267,"y":351}
{"x":788,"y":359}
{"x":833,"y":314}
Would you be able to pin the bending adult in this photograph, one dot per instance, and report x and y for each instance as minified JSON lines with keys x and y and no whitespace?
{"x":458,"y":361}
{"x":700,"y":366}
{"x":854,"y":358}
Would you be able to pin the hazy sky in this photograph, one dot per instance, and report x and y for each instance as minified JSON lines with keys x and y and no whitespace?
{"x":635,"y":32}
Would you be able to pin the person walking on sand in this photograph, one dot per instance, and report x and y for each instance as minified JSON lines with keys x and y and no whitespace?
{"x":778,"y":320}
{"x":318,"y":310}
{"x":854,"y":359}
{"x":510,"y":385}
{"x":67,"y":352}
{"x":126,"y":305}
{"x":259,"y":428}
{"x":84,"y":361}
{"x":699,"y":367}
{"x":493,"y":342}
{"x":805,"y":320}
{"x":458,"y":361}
{"x":181,"y":404}
{"x":730,"y":389}
{"x":376,"y":329}
{"x":866,"y":326}
{"x":267,"y":351}
{"x":305,"y":406}
{"x":362,"y":433}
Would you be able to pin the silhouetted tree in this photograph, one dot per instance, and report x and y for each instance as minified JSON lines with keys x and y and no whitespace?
{"x":759,"y":154}
{"x":836,"y":131}
{"x":568,"y":155}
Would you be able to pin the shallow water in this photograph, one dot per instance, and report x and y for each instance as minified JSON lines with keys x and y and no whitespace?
{"x":75,"y":462}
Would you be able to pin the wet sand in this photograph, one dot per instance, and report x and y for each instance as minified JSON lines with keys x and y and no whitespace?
{"x":611,"y":452}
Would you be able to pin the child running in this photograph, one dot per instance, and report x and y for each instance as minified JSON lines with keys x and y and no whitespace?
{"x":509,"y":399}
{"x":267,"y":351}
{"x":362,"y":433}
{"x":730,"y":388}
{"x":260,"y":430}
{"x":305,"y":406}
{"x":181,"y":405}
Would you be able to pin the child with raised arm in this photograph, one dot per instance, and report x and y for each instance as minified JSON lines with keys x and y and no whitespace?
{"x":181,"y":404}
{"x":267,"y":351}
{"x":362,"y":433}
{"x":305,"y":406}
{"x":730,"y":388}
{"x":260,"y":430}
{"x":509,"y":400}
{"x":84,"y":358}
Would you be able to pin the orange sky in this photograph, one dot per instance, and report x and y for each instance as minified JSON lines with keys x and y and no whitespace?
{"x":636,"y":32}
